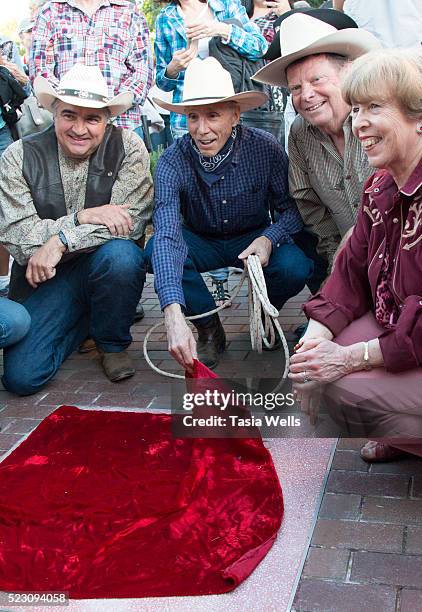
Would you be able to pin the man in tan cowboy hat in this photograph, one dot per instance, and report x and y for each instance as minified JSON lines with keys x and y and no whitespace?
{"x":222,"y":179}
{"x":327,"y":166}
{"x":74,"y":200}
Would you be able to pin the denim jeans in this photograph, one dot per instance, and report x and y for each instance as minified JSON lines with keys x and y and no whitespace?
{"x":5,"y":139}
{"x":93,"y":294}
{"x":286,"y":273}
{"x":14,"y":322}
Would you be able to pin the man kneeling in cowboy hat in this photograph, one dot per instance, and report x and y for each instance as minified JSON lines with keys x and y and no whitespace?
{"x":74,"y":199}
{"x":214,"y":189}
{"x":327,"y":165}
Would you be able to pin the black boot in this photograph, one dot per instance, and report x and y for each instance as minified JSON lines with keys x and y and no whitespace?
{"x":211,"y":341}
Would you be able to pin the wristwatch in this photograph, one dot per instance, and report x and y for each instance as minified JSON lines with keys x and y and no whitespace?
{"x":63,"y":240}
{"x":366,"y":364}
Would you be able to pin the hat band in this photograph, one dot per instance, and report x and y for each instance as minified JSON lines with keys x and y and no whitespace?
{"x":82,"y":94}
{"x":207,"y":98}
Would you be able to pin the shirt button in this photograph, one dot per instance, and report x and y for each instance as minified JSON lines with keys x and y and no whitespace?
{"x":109,"y":173}
{"x":420,"y":302}
{"x":278,"y":244}
{"x":395,"y":220}
{"x":225,"y":221}
{"x":224,"y":201}
{"x":222,"y":178}
{"x":380,"y":256}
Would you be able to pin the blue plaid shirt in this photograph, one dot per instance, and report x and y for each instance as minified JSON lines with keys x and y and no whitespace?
{"x":254,"y":182}
{"x":170,"y":36}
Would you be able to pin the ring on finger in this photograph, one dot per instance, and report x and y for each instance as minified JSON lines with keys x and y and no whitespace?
{"x":305,"y":377}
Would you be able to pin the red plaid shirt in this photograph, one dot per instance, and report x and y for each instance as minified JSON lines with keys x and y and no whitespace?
{"x":115,"y":38}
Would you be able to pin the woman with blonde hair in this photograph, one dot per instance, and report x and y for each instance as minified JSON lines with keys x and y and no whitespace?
{"x":363,"y":347}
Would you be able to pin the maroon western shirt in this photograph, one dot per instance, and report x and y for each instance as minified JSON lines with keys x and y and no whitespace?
{"x":389,"y":223}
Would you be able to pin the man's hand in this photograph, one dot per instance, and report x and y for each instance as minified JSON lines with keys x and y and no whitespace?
{"x":115,"y":217}
{"x":181,"y":343}
{"x":42,"y":265}
{"x":20,"y":76}
{"x":180,"y":61}
{"x":260,"y":246}
{"x":279,"y":6}
{"x":206,"y":29}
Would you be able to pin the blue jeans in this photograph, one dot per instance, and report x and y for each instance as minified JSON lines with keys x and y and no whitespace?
{"x":14,"y":322}
{"x":93,"y":294}
{"x":285,"y":275}
{"x":5,"y":139}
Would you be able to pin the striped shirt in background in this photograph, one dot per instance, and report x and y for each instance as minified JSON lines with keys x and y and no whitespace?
{"x":326,"y":187}
{"x":115,"y":38}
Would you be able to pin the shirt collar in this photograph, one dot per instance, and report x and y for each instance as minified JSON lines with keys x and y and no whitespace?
{"x":414,"y":181}
{"x":347,"y":126}
{"x":383,"y":180}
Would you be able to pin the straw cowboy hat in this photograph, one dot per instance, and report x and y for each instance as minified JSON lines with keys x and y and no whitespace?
{"x":302,"y":35}
{"x":82,"y":86}
{"x":207,"y":82}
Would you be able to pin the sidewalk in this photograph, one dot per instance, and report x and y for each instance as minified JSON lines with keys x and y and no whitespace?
{"x":366,"y":548}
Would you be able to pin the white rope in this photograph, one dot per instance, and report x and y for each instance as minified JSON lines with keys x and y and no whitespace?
{"x":260,"y":309}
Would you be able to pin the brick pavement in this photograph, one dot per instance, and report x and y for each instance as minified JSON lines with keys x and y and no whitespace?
{"x":366,"y":549}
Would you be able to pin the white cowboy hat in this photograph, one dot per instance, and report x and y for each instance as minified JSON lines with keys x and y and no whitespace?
{"x":302,"y":35}
{"x":82,"y":86}
{"x":207,"y":82}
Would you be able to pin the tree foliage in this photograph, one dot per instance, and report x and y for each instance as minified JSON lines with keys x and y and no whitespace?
{"x":150,"y":9}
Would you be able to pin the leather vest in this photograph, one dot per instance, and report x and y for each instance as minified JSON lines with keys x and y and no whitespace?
{"x":41,"y":171}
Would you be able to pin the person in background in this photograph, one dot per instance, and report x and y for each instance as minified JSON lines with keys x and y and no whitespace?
{"x":78,"y":268}
{"x":11,"y":60}
{"x":363,"y":346}
{"x":25,"y":35}
{"x":396,"y":23}
{"x":327,"y":165}
{"x":214,"y":188}
{"x":264,"y":15}
{"x":111,"y":35}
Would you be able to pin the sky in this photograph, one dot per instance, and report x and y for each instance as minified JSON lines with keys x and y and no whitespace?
{"x":14,"y":9}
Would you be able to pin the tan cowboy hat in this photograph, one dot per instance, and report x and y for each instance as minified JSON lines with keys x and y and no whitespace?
{"x":302,"y":35}
{"x":207,"y":82}
{"x":82,"y":86}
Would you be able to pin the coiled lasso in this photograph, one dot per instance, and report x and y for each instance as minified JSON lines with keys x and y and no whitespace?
{"x":263,"y":317}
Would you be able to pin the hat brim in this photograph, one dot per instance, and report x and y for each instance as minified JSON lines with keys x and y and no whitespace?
{"x":247,"y":100}
{"x":351,"y":43}
{"x":46,"y":94}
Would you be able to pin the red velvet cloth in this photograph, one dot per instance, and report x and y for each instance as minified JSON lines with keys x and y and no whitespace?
{"x":108,"y":504}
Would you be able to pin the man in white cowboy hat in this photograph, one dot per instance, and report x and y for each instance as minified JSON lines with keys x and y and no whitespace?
{"x":74,"y":200}
{"x":223,"y":179}
{"x":327,"y":166}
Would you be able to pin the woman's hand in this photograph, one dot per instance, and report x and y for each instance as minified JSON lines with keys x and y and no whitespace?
{"x":180,"y":61}
{"x":207,"y":29}
{"x":320,"y":360}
